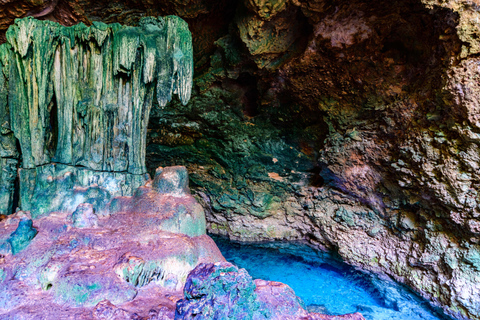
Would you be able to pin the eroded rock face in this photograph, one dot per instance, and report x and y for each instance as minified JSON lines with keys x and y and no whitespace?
{"x":133,"y":263}
{"x":362,"y":143}
{"x":78,"y":102}
{"x":358,"y":132}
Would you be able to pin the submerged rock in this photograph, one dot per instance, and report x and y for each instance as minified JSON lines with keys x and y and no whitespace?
{"x":222,"y":291}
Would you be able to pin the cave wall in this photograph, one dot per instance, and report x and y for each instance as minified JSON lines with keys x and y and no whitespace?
{"x":352,"y":125}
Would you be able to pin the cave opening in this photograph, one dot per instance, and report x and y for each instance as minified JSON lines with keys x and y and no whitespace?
{"x":251,"y":96}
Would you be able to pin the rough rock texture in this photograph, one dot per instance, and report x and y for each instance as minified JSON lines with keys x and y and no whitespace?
{"x":222,"y":291}
{"x":89,"y":267}
{"x":132,"y":264}
{"x":58,"y":187}
{"x":168,"y":195}
{"x":81,"y":97}
{"x":22,"y":236}
{"x":358,"y":132}
{"x":64,"y":84}
{"x":78,"y":101}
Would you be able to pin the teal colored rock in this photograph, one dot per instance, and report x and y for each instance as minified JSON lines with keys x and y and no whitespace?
{"x":8,"y":149}
{"x":82,"y":95}
{"x":8,"y":172}
{"x":22,"y":236}
{"x":219,"y":291}
{"x":78,"y":290}
{"x":57,"y":187}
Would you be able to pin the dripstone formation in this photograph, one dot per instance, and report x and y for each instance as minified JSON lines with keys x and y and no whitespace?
{"x":78,"y":100}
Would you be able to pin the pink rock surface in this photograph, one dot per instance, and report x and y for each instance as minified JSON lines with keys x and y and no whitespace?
{"x":121,"y":265}
{"x":131,"y":264}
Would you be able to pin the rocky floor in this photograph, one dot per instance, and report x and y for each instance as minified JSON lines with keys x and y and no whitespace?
{"x":68,"y":265}
{"x":138,"y":262}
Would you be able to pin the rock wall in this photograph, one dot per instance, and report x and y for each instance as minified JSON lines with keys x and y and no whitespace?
{"x":348,"y":124}
{"x":355,"y":137}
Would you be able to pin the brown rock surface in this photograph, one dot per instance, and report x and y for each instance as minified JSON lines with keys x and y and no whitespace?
{"x":361,"y":136}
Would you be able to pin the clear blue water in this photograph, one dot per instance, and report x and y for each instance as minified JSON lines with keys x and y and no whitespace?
{"x":327,"y":285}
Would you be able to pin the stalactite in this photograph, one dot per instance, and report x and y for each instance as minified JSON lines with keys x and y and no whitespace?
{"x":81,"y":96}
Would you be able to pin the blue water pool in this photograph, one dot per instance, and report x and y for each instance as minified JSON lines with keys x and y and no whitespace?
{"x":327,"y":285}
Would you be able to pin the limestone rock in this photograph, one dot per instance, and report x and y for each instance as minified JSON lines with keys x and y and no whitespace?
{"x":8,"y":173}
{"x":8,"y":149}
{"x":106,"y":310}
{"x":268,"y":40}
{"x":171,"y":180}
{"x":373,"y":120}
{"x":219,"y":291}
{"x":266,"y":8}
{"x":467,"y":29}
{"x":58,"y":187}
{"x":81,"y":97}
{"x":130,"y":260}
{"x":169,"y":198}
{"x":84,"y":216}
{"x":107,"y":104}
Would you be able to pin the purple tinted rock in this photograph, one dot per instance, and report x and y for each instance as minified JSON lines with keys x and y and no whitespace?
{"x":279,"y":299}
{"x":84,"y":216}
{"x":219,"y":291}
{"x":105,"y":310}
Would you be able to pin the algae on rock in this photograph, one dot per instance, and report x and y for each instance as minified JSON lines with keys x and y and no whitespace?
{"x":81,"y":96}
